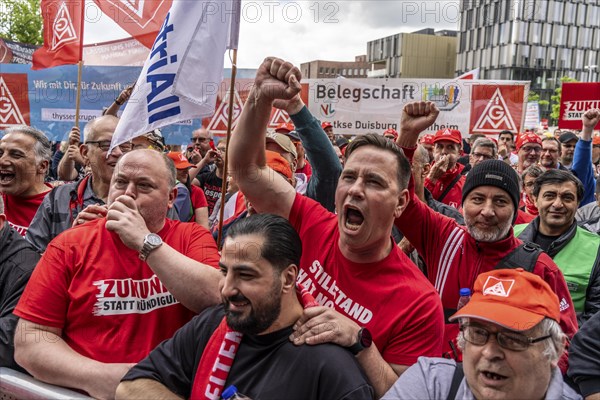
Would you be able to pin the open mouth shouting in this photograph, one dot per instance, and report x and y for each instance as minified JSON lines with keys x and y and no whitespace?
{"x":353,"y":218}
{"x":6,"y":177}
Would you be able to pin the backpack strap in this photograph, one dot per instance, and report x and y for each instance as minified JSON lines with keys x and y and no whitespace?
{"x":524,"y":256}
{"x":456,"y":380}
{"x":449,"y":187}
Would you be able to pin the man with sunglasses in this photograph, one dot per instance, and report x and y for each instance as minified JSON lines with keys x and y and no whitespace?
{"x":62,"y":207}
{"x":511,"y":342}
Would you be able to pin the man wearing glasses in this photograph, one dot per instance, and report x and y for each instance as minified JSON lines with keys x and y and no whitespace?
{"x":551,"y":150}
{"x":483,"y":149}
{"x":61,"y":208}
{"x":529,"y":150}
{"x":511,"y":342}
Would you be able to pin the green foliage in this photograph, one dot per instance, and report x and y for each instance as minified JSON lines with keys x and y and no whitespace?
{"x":555,"y":99}
{"x":21,"y":21}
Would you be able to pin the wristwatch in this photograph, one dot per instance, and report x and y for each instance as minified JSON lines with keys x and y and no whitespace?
{"x":364,"y":340}
{"x":151,"y":241}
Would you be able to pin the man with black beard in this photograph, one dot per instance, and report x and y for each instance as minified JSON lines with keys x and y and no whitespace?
{"x":245,"y":341}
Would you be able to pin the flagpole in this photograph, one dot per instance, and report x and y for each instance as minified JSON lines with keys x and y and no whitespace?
{"x":78,"y":98}
{"x":229,"y":123}
{"x":79,"y":65}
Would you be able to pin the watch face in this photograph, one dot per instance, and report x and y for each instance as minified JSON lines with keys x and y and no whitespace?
{"x":366,"y":338}
{"x":154,"y":239}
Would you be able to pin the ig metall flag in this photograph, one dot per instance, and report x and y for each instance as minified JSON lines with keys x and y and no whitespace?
{"x":184,"y":69}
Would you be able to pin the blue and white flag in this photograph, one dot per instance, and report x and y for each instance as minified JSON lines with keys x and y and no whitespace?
{"x":183,"y":72}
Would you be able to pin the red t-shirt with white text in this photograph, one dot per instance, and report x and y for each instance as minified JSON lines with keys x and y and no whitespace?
{"x":110,"y":305}
{"x":391,"y":297}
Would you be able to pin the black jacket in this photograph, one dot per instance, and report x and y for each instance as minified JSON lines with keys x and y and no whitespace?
{"x":592,"y":296}
{"x":584,"y":357}
{"x":18,"y":258}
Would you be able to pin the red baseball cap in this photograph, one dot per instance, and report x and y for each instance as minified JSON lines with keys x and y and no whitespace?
{"x":596,"y":140}
{"x":452,"y":135}
{"x":180,"y":161}
{"x":512,"y":298}
{"x":391,"y":132}
{"x":427,"y":139}
{"x":284,"y":128}
{"x":325,"y":125}
{"x":527,"y":138}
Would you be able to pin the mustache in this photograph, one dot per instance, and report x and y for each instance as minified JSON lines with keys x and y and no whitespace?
{"x":238,"y":298}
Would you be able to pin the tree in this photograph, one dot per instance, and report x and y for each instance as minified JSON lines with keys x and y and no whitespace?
{"x":533,"y":96}
{"x":555,"y":99}
{"x":21,"y":21}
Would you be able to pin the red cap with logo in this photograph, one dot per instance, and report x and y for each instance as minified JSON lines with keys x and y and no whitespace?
{"x":427,"y":139}
{"x":512,"y":298}
{"x":527,"y":138}
{"x":284,"y":128}
{"x":452,"y":135}
{"x":326,"y":125}
{"x":391,"y":132}
{"x":180,"y":161}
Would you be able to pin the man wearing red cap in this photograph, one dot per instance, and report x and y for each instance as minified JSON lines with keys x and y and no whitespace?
{"x":427,"y":142}
{"x":445,"y":181}
{"x":511,"y":343}
{"x":529,"y":150}
{"x":328,"y":128}
{"x":391,"y":134}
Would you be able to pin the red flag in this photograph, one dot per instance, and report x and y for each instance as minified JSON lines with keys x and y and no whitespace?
{"x":63,"y":34}
{"x":141,"y":19}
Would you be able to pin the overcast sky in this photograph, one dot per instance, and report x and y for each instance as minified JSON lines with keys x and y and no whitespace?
{"x":301,"y":31}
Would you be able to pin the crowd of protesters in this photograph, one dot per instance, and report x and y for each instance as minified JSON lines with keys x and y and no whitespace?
{"x":341,"y":264}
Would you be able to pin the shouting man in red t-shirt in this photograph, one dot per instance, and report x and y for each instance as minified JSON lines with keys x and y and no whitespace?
{"x":369,"y":291}
{"x":25,"y":155}
{"x":108,"y":291}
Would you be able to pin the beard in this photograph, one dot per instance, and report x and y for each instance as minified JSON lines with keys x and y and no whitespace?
{"x":490,"y":235}
{"x":261,"y":316}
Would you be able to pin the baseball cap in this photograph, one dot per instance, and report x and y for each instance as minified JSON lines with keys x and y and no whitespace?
{"x":391,"y":132}
{"x":180,"y":161}
{"x":512,"y":298}
{"x":427,"y":139}
{"x":452,"y":135}
{"x":527,"y":138}
{"x":156,"y":138}
{"x":278,"y":163}
{"x":325,"y":125}
{"x":283,"y":142}
{"x":284,"y":128}
{"x":342,"y":142}
{"x":567,"y":137}
{"x":293,"y":135}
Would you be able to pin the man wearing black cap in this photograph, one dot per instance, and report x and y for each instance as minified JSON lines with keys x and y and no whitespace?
{"x":455,"y":255}
{"x":568,"y":140}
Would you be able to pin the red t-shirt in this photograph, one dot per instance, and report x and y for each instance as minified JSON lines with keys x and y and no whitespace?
{"x":20,"y":211}
{"x":110,"y":305}
{"x":198,"y":200}
{"x":391,"y":297}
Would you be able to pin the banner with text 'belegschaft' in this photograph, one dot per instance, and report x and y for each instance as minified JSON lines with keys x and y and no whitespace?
{"x":360,"y":106}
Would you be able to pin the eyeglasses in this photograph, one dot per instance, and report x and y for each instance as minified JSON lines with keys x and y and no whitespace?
{"x":507,"y":340}
{"x":199,"y":139}
{"x":104,"y":145}
{"x":532,"y":149}
{"x":481,"y":155}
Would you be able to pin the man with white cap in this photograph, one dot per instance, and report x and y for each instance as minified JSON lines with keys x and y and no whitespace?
{"x":511,"y":343}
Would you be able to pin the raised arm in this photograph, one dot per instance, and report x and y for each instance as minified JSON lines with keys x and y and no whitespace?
{"x":582,"y":160}
{"x":325,"y":164}
{"x":416,"y":117}
{"x":265,"y":189}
